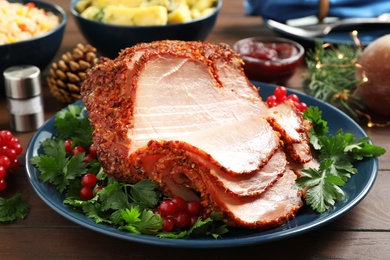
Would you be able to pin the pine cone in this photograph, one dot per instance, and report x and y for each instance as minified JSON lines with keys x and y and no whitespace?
{"x":66,"y":76}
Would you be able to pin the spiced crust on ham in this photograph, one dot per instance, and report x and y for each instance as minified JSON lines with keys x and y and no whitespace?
{"x":184,"y":115}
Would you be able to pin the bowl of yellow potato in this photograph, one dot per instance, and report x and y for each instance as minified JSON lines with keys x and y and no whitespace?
{"x":113,"y":25}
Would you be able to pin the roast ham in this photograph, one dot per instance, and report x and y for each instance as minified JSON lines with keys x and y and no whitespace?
{"x":184,"y":115}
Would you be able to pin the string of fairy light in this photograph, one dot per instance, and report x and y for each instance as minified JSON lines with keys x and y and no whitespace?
{"x":345,"y":94}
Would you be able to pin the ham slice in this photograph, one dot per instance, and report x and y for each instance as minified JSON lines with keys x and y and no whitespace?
{"x":270,"y":209}
{"x":285,"y":119}
{"x":184,"y":115}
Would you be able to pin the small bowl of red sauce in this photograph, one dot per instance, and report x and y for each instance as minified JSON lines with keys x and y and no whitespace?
{"x":270,"y":59}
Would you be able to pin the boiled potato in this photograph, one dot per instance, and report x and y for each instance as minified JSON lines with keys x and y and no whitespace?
{"x":169,"y":4}
{"x":200,"y":4}
{"x":120,"y":15}
{"x":144,"y":12}
{"x":128,"y":3}
{"x":82,"y":5}
{"x":195,"y":13}
{"x":153,"y":15}
{"x":92,"y":13}
{"x":180,"y":15}
{"x":208,"y":11}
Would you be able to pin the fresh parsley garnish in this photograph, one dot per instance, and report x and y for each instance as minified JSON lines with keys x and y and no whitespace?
{"x":13,"y":208}
{"x":73,"y":123}
{"x":337,"y":155}
{"x":56,"y":166}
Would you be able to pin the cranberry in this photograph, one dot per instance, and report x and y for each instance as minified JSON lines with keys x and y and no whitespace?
{"x":193,"y":207}
{"x":180,"y":203}
{"x":89,"y":180}
{"x":181,"y":219}
{"x":68,"y":145}
{"x":86,"y":193}
{"x":193,"y":220}
{"x":78,"y":149}
{"x":169,"y":224}
{"x":167,"y":207}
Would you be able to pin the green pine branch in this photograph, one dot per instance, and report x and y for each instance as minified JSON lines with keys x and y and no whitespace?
{"x":331,"y":76}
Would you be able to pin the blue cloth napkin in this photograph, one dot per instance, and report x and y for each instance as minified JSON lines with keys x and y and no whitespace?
{"x":282,"y":10}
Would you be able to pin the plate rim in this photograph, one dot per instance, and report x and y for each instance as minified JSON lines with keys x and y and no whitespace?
{"x":250,"y":239}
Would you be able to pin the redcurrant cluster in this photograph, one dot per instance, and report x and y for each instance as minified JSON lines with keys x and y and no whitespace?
{"x":180,"y":214}
{"x":10,"y":148}
{"x":90,"y":154}
{"x":280,"y":95}
{"x":89,"y":181}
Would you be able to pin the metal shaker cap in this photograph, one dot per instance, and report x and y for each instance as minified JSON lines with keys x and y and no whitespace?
{"x":22,"y":81}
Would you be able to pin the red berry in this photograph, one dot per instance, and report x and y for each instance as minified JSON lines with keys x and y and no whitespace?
{"x":3,"y":184}
{"x":302,"y":106}
{"x":272,"y":104}
{"x":169,"y":224}
{"x":11,"y":154}
{"x":15,"y":164}
{"x":5,"y":161}
{"x":15,"y":140}
{"x":68,"y":145}
{"x":88,"y":157}
{"x":280,"y":93}
{"x":86,"y":193}
{"x":78,"y":149}
{"x":6,"y":137}
{"x":3,"y":150}
{"x":3,"y":172}
{"x":92,"y":150}
{"x":18,"y":148}
{"x":193,"y":220}
{"x":89,"y":180}
{"x":180,"y":203}
{"x":293,"y":98}
{"x":271,"y":98}
{"x":181,"y":219}
{"x":167,"y":207}
{"x":193,"y":207}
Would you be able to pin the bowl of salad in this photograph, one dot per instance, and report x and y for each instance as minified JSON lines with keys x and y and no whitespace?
{"x":114,"y":25}
{"x":33,"y":34}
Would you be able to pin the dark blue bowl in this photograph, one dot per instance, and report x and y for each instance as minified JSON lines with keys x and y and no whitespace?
{"x":110,"y":39}
{"x":37,"y":51}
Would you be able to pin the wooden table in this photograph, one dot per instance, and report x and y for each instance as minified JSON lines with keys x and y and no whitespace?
{"x":363,"y":233}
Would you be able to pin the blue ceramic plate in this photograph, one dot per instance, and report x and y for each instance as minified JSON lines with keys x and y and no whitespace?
{"x":307,"y":220}
{"x":366,"y":34}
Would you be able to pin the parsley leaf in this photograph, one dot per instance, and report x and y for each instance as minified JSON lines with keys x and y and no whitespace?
{"x":13,"y":208}
{"x":72,"y":124}
{"x":319,"y":126}
{"x":145,"y":223}
{"x":323,"y":186}
{"x":56,"y":167}
{"x":336,"y":154}
{"x":144,"y":194}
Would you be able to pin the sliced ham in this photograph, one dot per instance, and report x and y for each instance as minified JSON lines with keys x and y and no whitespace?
{"x":286,"y":119}
{"x":272,"y":208}
{"x":184,"y":115}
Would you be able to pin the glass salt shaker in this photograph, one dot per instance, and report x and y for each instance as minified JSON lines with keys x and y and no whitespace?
{"x":24,"y":98}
